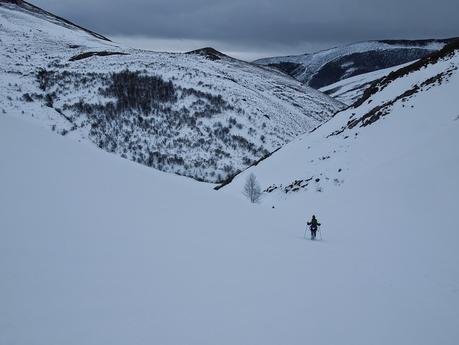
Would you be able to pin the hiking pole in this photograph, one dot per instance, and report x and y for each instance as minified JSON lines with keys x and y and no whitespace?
{"x":320,"y":232}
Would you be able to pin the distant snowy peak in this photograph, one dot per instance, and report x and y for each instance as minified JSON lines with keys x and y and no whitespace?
{"x":332,"y":65}
{"x":210,"y":53}
{"x":204,"y":115}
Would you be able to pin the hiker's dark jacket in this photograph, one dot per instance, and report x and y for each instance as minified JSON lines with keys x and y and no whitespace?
{"x":313,"y":224}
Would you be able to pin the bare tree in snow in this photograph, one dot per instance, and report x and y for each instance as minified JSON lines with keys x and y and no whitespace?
{"x":252,"y":189}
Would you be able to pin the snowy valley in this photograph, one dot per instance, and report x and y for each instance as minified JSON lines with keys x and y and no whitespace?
{"x":101,"y":242}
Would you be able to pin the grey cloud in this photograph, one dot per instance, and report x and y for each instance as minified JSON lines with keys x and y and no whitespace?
{"x":260,"y":24}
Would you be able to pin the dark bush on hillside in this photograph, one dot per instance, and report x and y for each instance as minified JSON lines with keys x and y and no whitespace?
{"x":139,"y":116}
{"x":143,"y":92}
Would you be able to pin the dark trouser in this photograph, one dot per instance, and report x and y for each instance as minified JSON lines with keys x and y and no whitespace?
{"x":313,"y":233}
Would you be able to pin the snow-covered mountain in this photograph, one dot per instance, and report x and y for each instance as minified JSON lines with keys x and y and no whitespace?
{"x":333,"y":65}
{"x":95,"y":249}
{"x":399,"y":117}
{"x":351,"y":89}
{"x":202,"y":114}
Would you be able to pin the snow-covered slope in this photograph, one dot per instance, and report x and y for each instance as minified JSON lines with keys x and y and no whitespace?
{"x":383,"y":178}
{"x":99,"y":250}
{"x":332,"y":65}
{"x":191,"y":114}
{"x":32,"y":10}
{"x":351,"y":89}
{"x":398,"y":118}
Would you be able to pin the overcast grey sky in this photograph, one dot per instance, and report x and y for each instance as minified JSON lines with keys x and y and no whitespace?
{"x":255,"y":28}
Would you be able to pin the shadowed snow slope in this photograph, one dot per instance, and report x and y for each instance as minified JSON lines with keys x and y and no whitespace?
{"x":332,"y":65}
{"x":201,"y":115}
{"x":382,"y":177}
{"x":351,"y":89}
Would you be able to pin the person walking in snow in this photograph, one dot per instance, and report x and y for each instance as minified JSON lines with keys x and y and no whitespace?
{"x":313,"y":224}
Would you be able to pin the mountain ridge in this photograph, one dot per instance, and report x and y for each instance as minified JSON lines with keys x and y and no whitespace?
{"x":329,"y":66}
{"x":41,"y":12}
